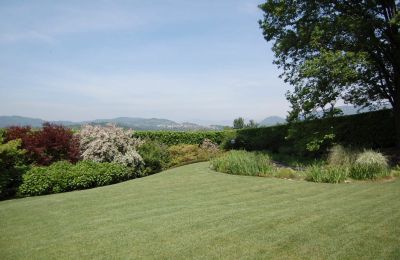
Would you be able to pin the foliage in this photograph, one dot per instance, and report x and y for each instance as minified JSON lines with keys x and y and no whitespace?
{"x":263,"y":138}
{"x":243,"y":163}
{"x":320,"y":144}
{"x":229,"y":140}
{"x":109,"y":144}
{"x":396,"y":171}
{"x":155,"y":155}
{"x":367,"y":130}
{"x":238,"y":123}
{"x":2,"y":134}
{"x":251,"y":124}
{"x":336,"y":50}
{"x":189,"y":153}
{"x":174,"y":137}
{"x":328,"y":174}
{"x":369,"y":165}
{"x":50,"y":144}
{"x":12,"y":166}
{"x":293,"y":160}
{"x":209,"y":146}
{"x":63,"y":176}
{"x":339,"y":155}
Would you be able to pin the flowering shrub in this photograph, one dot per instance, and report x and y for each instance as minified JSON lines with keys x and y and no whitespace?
{"x":109,"y":144}
{"x":210,"y":146}
{"x":50,"y":144}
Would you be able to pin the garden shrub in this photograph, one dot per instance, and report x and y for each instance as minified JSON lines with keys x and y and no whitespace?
{"x":12,"y":167}
{"x":109,"y":144}
{"x":63,"y":176}
{"x":209,"y":146}
{"x":369,"y":165}
{"x":244,"y":163}
{"x":327,"y":173}
{"x":50,"y":144}
{"x":155,"y":155}
{"x":2,"y":134}
{"x":187,"y":153}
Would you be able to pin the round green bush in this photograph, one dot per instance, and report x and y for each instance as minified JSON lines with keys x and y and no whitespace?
{"x":369,"y":165}
{"x":155,"y":155}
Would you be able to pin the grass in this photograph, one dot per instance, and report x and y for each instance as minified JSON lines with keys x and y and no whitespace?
{"x":327,"y":173}
{"x":293,"y":160}
{"x":194,"y":212}
{"x":244,"y":163}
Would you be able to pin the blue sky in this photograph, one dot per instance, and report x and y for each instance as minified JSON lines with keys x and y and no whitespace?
{"x":202,"y":61}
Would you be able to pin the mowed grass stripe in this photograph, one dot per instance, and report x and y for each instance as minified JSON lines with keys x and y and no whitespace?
{"x":194,"y":212}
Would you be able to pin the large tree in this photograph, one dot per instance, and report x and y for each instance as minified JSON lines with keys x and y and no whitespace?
{"x":336,"y":50}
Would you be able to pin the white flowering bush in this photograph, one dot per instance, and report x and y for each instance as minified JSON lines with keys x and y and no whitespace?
{"x":210,"y":146}
{"x":110,"y":144}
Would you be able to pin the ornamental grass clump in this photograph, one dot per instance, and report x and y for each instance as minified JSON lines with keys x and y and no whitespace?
{"x":110,"y":144}
{"x":369,"y":165}
{"x":343,"y":156}
{"x":327,"y":173}
{"x":244,"y":163}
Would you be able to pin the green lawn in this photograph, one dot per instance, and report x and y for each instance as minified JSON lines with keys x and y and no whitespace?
{"x":193,"y":212}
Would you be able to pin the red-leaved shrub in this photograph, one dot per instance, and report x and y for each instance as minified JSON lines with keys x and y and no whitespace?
{"x":50,"y":144}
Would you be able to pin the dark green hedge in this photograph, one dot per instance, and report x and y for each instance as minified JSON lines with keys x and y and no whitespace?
{"x":368,"y":130}
{"x":63,"y":176}
{"x":173,"y":137}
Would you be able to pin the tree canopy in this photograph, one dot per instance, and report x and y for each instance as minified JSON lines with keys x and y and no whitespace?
{"x":238,"y":123}
{"x":336,"y":50}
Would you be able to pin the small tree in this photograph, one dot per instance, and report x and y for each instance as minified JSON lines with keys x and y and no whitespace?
{"x":238,"y":123}
{"x":252,"y":124}
{"x":50,"y":144}
{"x":336,"y":50}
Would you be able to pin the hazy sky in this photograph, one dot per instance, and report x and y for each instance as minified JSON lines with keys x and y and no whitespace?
{"x":183,"y":60}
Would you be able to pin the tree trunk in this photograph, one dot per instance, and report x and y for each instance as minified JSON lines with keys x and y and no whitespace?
{"x":396,"y":112}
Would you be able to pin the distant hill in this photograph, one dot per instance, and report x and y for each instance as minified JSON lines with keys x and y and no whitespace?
{"x":347,"y":110}
{"x":6,"y":121}
{"x":272,"y":120}
{"x":136,"y":123}
{"x":351,"y":110}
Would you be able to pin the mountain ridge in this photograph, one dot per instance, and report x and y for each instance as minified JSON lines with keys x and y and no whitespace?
{"x":136,"y":123}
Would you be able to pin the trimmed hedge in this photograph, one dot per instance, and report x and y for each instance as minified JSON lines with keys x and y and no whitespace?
{"x":368,"y":130}
{"x":63,"y":176}
{"x":174,"y":138}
